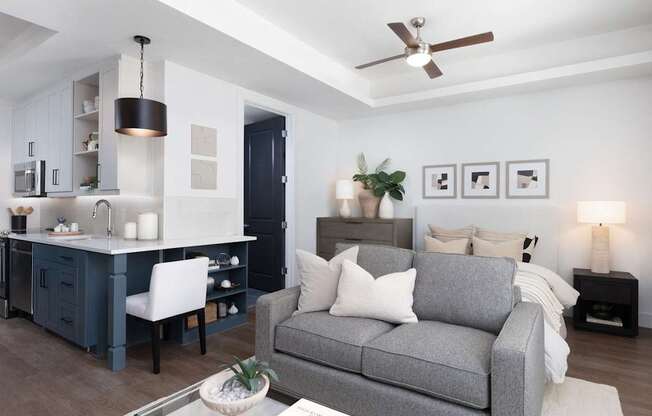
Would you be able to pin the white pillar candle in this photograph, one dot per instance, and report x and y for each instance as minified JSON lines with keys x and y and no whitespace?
{"x":131,"y":231}
{"x":148,"y":226}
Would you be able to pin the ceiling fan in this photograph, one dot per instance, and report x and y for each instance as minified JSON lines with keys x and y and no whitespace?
{"x":419,"y":53}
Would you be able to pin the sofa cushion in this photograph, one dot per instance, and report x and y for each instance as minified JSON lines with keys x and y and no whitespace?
{"x":380,"y":260}
{"x":434,"y":358}
{"x":329,"y":340}
{"x":464,"y":290}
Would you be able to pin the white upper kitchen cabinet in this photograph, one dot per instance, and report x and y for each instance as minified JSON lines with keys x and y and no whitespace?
{"x":59,"y":160}
{"x":18,"y":146}
{"x":30,"y":135}
{"x":56,"y":126}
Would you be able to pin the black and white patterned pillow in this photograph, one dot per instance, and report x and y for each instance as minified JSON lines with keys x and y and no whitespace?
{"x":529,"y":244}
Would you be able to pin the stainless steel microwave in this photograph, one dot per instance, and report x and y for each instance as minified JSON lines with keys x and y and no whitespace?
{"x":29,"y":179}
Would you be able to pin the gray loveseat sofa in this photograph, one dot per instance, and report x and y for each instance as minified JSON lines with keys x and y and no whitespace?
{"x":474,"y":351}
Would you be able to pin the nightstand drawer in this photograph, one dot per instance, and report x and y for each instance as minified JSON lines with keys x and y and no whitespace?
{"x":605,"y":292}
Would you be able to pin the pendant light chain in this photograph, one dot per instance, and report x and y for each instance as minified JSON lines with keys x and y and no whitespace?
{"x":142,"y":48}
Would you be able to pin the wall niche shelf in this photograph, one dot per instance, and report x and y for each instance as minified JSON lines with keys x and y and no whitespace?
{"x":86,"y":153}
{"x":91,"y":116}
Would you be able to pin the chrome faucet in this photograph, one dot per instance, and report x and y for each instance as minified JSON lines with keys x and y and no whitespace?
{"x":109,"y":228}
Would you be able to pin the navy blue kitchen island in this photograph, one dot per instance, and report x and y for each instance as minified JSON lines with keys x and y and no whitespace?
{"x":81,"y":286}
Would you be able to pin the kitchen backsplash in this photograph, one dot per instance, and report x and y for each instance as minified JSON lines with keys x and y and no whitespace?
{"x":124,"y":209}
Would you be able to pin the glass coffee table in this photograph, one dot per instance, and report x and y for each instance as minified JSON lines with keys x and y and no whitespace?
{"x":188,"y":403}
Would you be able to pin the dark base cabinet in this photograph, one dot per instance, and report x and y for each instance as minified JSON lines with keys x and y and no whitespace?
{"x":615,"y":292}
{"x":62,"y":298}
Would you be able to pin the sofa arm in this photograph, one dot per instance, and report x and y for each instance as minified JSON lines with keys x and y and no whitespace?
{"x":517,"y":364}
{"x":271,"y":310}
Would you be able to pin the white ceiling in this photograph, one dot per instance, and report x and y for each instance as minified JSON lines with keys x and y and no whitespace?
{"x":18,"y":37}
{"x":529,"y":34}
{"x":303,"y":52}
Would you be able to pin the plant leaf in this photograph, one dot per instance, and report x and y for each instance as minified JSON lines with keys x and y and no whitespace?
{"x":396,"y":195}
{"x":362,"y":164}
{"x":383,"y":177}
{"x":398,"y":176}
{"x":383,"y":165}
{"x":271,"y":374}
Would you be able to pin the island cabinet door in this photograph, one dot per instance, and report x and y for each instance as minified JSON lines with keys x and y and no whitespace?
{"x":45,"y":284}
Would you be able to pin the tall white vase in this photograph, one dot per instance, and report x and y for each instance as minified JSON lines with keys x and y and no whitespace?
{"x":386,"y":209}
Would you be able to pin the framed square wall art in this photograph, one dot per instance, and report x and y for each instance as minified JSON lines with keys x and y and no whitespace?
{"x":439,"y":181}
{"x":481,"y":180}
{"x":528,"y":178}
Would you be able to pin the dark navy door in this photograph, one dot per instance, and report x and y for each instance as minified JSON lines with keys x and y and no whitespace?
{"x":264,"y":202}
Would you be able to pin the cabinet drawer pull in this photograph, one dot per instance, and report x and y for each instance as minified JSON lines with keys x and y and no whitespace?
{"x":66,"y":284}
{"x":42,"y":279}
{"x":67,"y":320}
{"x":353,"y":239}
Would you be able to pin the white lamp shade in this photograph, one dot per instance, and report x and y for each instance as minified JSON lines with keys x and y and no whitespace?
{"x":344,"y":189}
{"x":601,"y":212}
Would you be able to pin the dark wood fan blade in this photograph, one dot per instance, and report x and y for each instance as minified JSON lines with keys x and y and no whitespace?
{"x":402,"y":32}
{"x":380,"y":61}
{"x":461,"y":42}
{"x":432,"y":69}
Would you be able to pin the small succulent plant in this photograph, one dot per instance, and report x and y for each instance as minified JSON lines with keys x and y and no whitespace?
{"x":249,"y":374}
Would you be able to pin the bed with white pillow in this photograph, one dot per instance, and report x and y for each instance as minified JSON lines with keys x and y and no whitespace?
{"x":501,"y":230}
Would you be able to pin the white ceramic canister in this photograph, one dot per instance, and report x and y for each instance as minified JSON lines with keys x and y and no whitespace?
{"x":131,"y":231}
{"x":148,"y":226}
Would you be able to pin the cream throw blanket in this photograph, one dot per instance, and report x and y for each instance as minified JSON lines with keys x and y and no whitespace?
{"x":553,"y":293}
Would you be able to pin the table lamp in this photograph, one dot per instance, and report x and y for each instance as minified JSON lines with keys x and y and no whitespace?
{"x":600,"y":212}
{"x":344,"y":192}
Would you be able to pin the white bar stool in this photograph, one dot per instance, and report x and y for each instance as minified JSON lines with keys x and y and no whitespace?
{"x":177,"y":289}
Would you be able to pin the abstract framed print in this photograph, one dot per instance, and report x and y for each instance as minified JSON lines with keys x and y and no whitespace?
{"x":439,"y":181}
{"x":528,"y":178}
{"x":481,"y":180}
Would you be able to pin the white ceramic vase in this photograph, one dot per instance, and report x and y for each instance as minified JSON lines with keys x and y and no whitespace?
{"x":229,"y":408}
{"x":386,"y":208}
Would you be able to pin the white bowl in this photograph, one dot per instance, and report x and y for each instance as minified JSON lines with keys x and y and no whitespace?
{"x":229,"y":408}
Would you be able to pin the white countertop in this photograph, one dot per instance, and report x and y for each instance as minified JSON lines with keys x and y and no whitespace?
{"x":118,"y":245}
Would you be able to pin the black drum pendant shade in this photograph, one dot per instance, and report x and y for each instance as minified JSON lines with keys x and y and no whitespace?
{"x":140,"y":116}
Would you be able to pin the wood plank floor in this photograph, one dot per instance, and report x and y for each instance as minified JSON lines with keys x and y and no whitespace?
{"x":41,"y":374}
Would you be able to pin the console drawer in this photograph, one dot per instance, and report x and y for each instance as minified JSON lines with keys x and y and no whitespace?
{"x":357,"y":230}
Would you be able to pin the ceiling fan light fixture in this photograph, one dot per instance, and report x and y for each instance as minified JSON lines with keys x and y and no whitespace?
{"x":419,"y":56}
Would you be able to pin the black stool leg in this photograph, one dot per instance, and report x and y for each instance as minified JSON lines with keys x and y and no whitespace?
{"x":156,"y":347}
{"x":201,"y":320}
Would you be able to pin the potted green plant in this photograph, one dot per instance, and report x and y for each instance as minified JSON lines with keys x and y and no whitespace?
{"x":389,"y":186}
{"x":238,"y":389}
{"x":369,"y":201}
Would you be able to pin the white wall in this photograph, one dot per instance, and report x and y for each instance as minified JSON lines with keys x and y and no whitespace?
{"x":195,"y":98}
{"x":597,"y":138}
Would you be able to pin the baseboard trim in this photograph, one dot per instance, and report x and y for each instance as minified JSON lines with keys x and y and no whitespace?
{"x":645,"y":319}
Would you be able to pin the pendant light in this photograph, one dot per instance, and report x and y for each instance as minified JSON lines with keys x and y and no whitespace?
{"x":140,"y":116}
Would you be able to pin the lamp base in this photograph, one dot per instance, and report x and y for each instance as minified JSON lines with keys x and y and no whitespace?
{"x":345,"y":210}
{"x":600,"y":250}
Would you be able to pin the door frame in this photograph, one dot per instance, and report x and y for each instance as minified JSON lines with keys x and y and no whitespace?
{"x":249,"y":98}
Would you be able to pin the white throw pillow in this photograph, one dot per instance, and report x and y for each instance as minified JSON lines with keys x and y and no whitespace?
{"x":434,"y":245}
{"x":319,"y":279}
{"x":388,"y":298}
{"x":511,"y":248}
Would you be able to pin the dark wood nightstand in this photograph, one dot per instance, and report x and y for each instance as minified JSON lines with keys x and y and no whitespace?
{"x":618,"y":289}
